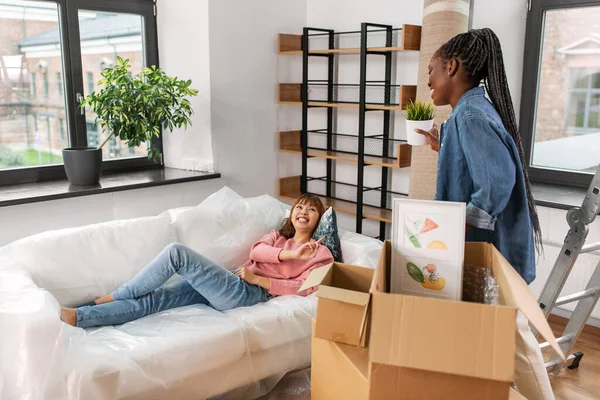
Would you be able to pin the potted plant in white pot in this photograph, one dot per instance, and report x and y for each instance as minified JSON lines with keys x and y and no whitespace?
{"x":419,"y":115}
{"x":134,"y":108}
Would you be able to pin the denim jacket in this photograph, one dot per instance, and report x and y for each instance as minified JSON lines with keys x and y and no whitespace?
{"x":479,"y":165}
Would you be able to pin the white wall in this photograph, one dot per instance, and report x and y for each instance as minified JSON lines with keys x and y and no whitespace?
{"x":183,"y":44}
{"x":243,"y":64}
{"x":507,"y":18}
{"x":23,"y":220}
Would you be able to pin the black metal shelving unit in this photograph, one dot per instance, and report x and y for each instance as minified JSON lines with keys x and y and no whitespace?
{"x":368,"y":96}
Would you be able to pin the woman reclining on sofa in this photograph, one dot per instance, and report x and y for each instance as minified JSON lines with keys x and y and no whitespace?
{"x":278,"y":265}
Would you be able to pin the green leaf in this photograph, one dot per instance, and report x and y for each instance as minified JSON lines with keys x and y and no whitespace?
{"x":419,"y":111}
{"x":135,"y":106}
{"x":415,"y":272}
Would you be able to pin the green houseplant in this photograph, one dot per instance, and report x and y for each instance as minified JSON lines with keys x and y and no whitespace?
{"x":134,"y":108}
{"x":419,"y":115}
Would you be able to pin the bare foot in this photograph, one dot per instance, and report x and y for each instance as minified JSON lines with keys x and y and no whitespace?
{"x":104,"y":299}
{"x":68,"y":315}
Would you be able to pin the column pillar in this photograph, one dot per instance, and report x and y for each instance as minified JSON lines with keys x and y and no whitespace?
{"x":442,"y":19}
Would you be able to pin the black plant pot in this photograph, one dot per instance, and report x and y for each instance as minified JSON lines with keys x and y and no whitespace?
{"x":83,"y":165}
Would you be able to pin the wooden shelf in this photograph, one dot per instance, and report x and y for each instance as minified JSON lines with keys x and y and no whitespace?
{"x":289,"y":189}
{"x":345,"y":51}
{"x":289,"y":142}
{"x":292,"y":44}
{"x":318,"y":95}
{"x":291,"y":93}
{"x":342,"y":105}
{"x":289,"y":44}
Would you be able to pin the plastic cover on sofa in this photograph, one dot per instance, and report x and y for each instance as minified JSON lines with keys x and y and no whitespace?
{"x":192,"y":352}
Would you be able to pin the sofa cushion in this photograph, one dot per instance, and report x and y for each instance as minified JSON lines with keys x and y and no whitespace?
{"x":77,"y":265}
{"x":166,"y":343}
{"x":224,"y":226}
{"x":360,"y":249}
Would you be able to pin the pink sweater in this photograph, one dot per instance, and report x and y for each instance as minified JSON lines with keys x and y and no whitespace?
{"x":286,"y":276}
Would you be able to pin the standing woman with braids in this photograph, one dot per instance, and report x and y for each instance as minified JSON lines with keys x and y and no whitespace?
{"x":481,"y":163}
{"x":481,"y":155}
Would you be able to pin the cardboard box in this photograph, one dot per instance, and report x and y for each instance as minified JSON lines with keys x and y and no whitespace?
{"x":427,"y":348}
{"x":338,"y":371}
{"x":343,"y":302}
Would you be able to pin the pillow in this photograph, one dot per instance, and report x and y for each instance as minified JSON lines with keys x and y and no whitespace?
{"x":225,"y":225}
{"x":77,"y":265}
{"x":328,"y":229}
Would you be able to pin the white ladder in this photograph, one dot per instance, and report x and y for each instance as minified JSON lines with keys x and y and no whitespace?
{"x":578,"y":218}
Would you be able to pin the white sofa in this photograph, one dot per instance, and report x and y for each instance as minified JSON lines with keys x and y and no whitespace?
{"x":191,"y":352}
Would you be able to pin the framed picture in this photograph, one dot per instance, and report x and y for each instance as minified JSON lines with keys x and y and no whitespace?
{"x":428,"y":247}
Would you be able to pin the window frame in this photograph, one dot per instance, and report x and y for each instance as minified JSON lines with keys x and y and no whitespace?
{"x":75,"y":119}
{"x":531,"y":75}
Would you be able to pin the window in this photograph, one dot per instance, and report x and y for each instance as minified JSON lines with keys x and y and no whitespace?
{"x":92,"y":133}
{"x":34,"y":130}
{"x":560,"y":102}
{"x":584,"y":95}
{"x":45,"y":82}
{"x":129,"y":45}
{"x":24,"y":142}
{"x":90,"y":82}
{"x":61,"y":130}
{"x":46,"y":153}
{"x":59,"y":85}
{"x":32,"y":84}
{"x":113,"y":149}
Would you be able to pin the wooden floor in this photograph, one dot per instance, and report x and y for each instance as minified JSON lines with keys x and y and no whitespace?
{"x":582,"y":383}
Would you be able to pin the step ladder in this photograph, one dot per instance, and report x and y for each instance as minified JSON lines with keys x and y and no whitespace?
{"x":578,"y":218}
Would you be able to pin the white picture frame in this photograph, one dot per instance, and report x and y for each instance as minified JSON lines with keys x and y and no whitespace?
{"x":428,"y":247}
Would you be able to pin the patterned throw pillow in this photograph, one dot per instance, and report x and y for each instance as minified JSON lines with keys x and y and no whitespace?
{"x":328,"y":228}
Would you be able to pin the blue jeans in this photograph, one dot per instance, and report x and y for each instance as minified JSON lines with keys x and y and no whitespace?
{"x":204,"y":282}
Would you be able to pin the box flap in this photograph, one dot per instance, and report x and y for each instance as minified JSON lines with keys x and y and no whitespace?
{"x":380,"y":278}
{"x":339,"y":321}
{"x":343,"y":295}
{"x":517,"y":294}
{"x":317,"y":277}
{"x":339,"y":371}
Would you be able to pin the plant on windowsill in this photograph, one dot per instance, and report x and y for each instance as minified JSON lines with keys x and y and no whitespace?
{"x":133,"y":108}
{"x":419,"y":115}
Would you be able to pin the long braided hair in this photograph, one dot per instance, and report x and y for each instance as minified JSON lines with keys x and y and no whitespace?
{"x":479,"y":52}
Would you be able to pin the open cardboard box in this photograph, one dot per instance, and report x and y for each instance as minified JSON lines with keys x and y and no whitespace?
{"x":342,"y":311}
{"x":427,"y":348}
{"x":341,"y":371}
